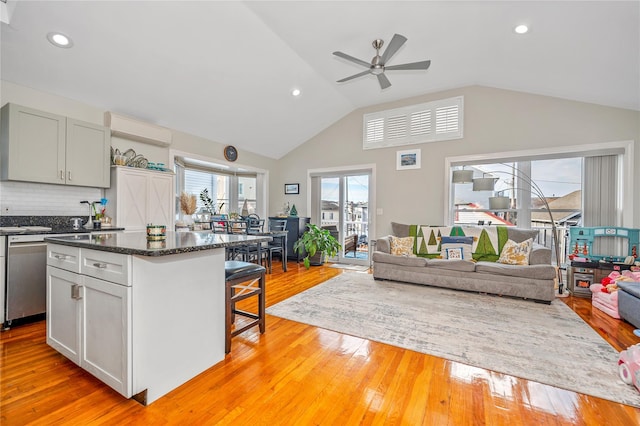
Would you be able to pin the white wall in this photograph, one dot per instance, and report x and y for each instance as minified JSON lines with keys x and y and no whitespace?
{"x":17,"y":196}
{"x":495,"y":120}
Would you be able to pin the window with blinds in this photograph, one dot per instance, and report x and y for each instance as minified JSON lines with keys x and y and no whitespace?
{"x":428,"y":122}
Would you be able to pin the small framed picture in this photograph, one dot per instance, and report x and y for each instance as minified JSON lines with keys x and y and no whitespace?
{"x":291,"y":188}
{"x":409,"y":159}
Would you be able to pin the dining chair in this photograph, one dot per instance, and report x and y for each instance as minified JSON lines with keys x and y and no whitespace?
{"x":277,"y":244}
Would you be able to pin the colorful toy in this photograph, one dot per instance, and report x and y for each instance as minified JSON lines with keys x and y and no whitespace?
{"x":629,"y":366}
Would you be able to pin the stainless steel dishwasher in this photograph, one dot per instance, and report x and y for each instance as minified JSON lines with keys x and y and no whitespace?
{"x":26,"y":277}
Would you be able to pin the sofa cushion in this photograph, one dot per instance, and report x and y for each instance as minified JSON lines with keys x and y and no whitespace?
{"x":519,"y":235}
{"x":539,"y":272}
{"x":399,"y":229}
{"x":402,"y":246}
{"x":516,"y":253}
{"x":399,"y":260}
{"x":454,"y":265}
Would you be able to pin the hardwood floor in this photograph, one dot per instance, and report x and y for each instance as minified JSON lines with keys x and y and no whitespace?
{"x":299,"y":374}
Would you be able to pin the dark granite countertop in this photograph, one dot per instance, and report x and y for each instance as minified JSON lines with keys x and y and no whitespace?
{"x":55,"y":231}
{"x":175,"y":243}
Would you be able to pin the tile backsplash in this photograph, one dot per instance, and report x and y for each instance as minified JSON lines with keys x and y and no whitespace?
{"x":40,"y":199}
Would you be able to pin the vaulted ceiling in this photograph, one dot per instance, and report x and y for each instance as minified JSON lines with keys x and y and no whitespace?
{"x":225,"y":70}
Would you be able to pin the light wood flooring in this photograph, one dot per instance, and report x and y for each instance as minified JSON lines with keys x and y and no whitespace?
{"x":296,"y":374}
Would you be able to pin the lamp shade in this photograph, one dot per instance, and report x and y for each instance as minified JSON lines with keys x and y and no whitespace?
{"x":499,"y":203}
{"x":462,"y":176}
{"x":484,"y":184}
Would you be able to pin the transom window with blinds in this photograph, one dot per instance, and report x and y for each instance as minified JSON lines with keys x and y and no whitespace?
{"x":427,"y":122}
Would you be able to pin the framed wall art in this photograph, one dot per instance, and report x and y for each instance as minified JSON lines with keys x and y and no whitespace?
{"x":291,"y":188}
{"x":409,"y":159}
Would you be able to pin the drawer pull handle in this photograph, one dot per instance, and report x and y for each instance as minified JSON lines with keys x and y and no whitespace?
{"x":100,"y":265}
{"x":61,"y":256}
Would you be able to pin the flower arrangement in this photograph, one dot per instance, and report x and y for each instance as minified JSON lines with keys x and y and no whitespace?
{"x":188,"y":203}
{"x":208,"y":202}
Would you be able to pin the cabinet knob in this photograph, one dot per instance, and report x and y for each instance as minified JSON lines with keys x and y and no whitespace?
{"x":100,"y":265}
{"x":61,"y":256}
{"x":69,"y":173}
{"x":61,"y":174}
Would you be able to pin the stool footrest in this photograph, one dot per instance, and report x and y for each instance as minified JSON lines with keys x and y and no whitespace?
{"x":246,"y":314}
{"x":244,"y":328}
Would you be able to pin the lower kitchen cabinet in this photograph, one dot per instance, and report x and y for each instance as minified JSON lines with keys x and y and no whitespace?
{"x":107,"y":312}
{"x":89,"y":322}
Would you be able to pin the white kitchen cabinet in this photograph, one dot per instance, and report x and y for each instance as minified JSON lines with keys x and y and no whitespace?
{"x":38,"y":146}
{"x":63,"y":312}
{"x":122,"y":333}
{"x":138,"y":197}
{"x":89,"y":319}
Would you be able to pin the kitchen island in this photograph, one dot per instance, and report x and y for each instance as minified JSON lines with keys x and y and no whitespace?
{"x":142,"y":316}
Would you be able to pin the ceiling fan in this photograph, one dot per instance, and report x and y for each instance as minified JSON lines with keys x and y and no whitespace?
{"x":378,"y":66}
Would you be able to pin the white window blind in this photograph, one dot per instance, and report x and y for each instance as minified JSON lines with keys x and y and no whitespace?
{"x":428,"y":122}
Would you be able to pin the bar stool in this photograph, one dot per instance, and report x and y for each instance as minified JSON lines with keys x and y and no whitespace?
{"x":243,"y":280}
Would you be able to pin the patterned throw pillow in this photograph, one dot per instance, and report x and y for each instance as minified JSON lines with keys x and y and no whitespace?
{"x":456,"y":247}
{"x":402,"y":246}
{"x":516,"y":253}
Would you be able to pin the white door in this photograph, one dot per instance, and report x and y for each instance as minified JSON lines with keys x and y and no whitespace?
{"x":106,"y":333}
{"x":63,"y":313}
{"x":344,"y":204}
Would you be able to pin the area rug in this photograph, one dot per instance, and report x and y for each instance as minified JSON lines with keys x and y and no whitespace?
{"x":549,"y":344}
{"x":358,"y":268}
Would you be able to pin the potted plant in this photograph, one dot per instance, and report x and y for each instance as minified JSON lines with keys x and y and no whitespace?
{"x":317,"y":243}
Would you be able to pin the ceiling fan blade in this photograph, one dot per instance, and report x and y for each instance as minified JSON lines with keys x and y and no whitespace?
{"x":360,"y":74}
{"x":352,"y":59}
{"x":396,"y":43}
{"x":423,"y":65}
{"x":384,"y":81}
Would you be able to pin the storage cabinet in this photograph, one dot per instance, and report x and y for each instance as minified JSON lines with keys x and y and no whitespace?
{"x":38,"y":146}
{"x":138,"y":197}
{"x":89,"y":319}
{"x":2,"y":276}
{"x":296,"y":227}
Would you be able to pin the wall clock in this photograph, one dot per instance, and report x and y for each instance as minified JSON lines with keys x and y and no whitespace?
{"x":230,"y":153}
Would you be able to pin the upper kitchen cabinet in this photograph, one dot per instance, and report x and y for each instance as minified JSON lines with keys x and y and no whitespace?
{"x":138,"y":197}
{"x":37,"y":146}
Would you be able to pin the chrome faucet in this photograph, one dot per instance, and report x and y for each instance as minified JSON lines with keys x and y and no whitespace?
{"x":89,"y":223}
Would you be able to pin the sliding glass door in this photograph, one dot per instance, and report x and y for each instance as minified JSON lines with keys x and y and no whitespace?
{"x":344,"y":201}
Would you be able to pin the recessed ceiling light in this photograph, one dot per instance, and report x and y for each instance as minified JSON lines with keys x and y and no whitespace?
{"x":521,"y":29}
{"x":59,"y":40}
{"x":295,"y":92}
